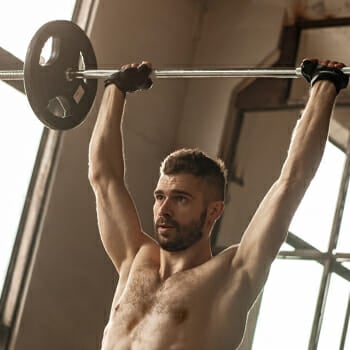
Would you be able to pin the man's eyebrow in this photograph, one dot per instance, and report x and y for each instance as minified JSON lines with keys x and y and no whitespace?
{"x":176,"y":192}
{"x":181,"y":192}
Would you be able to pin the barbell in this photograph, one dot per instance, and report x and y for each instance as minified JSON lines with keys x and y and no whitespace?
{"x":61,"y":91}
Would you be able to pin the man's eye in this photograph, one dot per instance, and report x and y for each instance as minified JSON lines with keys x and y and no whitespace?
{"x":159,"y":197}
{"x":181,"y":199}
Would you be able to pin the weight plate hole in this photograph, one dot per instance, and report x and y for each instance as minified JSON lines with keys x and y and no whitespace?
{"x":49,"y":51}
{"x":60,"y":107}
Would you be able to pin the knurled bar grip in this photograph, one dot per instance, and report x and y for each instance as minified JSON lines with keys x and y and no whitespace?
{"x":179,"y":73}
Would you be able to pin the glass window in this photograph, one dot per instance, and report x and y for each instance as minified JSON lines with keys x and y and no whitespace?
{"x":287,"y":247}
{"x":19,"y":143}
{"x":344,"y":233}
{"x":334,"y":315}
{"x":314,"y":217}
{"x":288,"y":308}
{"x":288,"y":305}
{"x":347,"y":339}
{"x":20,"y":131}
{"x":15,"y":35}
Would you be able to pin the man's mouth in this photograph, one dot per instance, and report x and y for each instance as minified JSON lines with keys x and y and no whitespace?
{"x":164,"y":228}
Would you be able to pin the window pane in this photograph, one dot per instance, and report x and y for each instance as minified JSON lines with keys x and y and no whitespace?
{"x":15,"y":38}
{"x":347,"y":340}
{"x":288,"y":305}
{"x":19,"y":143}
{"x":287,"y":247}
{"x":344,"y":233}
{"x":20,"y":129}
{"x":334,"y":314}
{"x":314,"y":217}
{"x":346,"y":264}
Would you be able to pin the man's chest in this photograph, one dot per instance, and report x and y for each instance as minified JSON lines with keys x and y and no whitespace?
{"x":174,"y":299}
{"x":188,"y":305}
{"x":159,"y":314}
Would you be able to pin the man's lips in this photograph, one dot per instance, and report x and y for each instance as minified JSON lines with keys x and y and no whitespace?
{"x":164,"y":228}
{"x":164,"y":225}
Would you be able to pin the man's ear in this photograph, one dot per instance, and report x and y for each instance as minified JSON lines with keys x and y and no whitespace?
{"x":215,"y":210}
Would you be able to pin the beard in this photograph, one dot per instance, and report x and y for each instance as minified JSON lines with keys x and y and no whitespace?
{"x":183,"y":237}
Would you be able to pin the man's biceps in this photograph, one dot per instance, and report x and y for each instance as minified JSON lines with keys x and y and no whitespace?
{"x":258,"y":250}
{"x":122,"y":246}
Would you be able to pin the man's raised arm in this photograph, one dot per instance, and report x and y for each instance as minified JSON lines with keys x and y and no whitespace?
{"x":118,"y":221}
{"x":268,"y":229}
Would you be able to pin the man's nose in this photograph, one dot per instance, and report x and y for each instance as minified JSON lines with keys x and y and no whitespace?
{"x":165,"y":208}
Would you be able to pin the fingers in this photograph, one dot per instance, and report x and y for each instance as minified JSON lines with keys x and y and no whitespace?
{"x":137,"y":65}
{"x":148,"y":64}
{"x":332,"y":64}
{"x":326,"y":63}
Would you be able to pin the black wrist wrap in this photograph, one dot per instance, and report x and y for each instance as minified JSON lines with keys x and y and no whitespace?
{"x":314,"y":72}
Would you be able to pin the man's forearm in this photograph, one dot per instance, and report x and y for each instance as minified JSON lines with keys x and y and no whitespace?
{"x":106,"y":146}
{"x":310,"y":135}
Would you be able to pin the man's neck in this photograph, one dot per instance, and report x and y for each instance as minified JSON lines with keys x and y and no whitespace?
{"x":173,"y":262}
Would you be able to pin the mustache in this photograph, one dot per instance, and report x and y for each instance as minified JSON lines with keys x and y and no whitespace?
{"x":163,"y":221}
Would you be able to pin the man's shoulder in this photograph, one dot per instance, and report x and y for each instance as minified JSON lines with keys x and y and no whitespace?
{"x":220,"y":263}
{"x":148,"y":253}
{"x":227,"y":253}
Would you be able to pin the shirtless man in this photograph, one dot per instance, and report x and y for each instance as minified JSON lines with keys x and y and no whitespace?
{"x":172,"y":293}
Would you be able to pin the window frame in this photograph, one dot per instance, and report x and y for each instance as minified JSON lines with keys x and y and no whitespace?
{"x":331,"y":260}
{"x":12,"y":295}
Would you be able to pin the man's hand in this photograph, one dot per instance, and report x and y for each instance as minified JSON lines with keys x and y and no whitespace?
{"x":314,"y":70}
{"x":131,"y":77}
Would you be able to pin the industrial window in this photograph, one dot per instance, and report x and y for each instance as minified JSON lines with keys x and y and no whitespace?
{"x":22,"y":136}
{"x":305,"y":303}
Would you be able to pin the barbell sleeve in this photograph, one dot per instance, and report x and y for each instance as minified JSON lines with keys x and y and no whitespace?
{"x":12,"y":75}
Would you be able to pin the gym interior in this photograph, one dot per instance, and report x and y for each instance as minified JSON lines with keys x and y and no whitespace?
{"x":58,"y":283}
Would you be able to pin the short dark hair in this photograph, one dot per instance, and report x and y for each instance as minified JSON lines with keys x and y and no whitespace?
{"x":197,"y":163}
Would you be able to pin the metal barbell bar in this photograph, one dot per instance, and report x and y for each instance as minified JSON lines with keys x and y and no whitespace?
{"x":61,"y":94}
{"x":174,"y":73}
{"x":198,"y":73}
{"x":179,"y":73}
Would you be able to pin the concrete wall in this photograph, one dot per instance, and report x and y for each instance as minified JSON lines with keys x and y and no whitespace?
{"x":261,"y":151}
{"x":164,"y":33}
{"x":72,"y":282}
{"x":234,"y":34}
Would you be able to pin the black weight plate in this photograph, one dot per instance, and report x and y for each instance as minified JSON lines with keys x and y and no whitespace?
{"x":60,"y":103}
